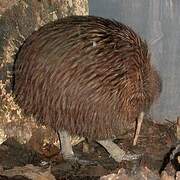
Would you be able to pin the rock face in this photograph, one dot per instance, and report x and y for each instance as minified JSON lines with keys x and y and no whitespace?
{"x":88,"y":75}
{"x":18,"y":19}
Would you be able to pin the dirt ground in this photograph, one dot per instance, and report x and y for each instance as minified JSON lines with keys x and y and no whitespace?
{"x":155,"y":143}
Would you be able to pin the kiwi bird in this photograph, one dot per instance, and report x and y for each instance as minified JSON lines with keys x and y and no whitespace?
{"x":86,"y":76}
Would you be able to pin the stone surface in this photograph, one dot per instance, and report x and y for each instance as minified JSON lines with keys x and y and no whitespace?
{"x":18,"y":19}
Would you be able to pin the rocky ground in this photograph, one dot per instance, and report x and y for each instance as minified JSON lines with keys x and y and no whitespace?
{"x":155,"y":143}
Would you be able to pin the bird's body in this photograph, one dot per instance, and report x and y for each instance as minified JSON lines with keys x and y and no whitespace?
{"x":87,"y":75}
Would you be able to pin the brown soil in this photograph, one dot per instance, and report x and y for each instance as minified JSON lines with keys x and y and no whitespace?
{"x":154,"y":143}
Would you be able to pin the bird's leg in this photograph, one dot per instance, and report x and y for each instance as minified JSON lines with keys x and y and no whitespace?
{"x":67,"y":151}
{"x":66,"y":147}
{"x":116,"y":152}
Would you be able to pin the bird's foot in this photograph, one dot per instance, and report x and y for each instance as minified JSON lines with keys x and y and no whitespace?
{"x":131,"y":157}
{"x":116,"y":152}
{"x":77,"y":162}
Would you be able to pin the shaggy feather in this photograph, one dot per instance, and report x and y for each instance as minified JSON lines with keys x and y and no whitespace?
{"x":87,"y":75}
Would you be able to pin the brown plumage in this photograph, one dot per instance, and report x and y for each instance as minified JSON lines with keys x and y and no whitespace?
{"x":88,"y":75}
